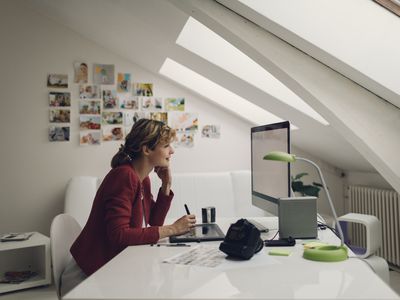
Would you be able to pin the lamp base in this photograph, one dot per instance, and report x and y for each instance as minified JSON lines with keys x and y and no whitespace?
{"x":329,"y":253}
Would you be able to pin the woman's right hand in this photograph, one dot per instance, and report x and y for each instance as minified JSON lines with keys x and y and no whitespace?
{"x":184,"y":224}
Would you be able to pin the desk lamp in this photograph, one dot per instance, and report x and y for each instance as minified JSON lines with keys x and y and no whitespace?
{"x":321,"y":253}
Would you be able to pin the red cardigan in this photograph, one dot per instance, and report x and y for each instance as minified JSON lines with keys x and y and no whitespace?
{"x":116,"y":218}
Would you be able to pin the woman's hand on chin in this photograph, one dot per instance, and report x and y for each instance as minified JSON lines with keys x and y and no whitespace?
{"x":164,"y":173}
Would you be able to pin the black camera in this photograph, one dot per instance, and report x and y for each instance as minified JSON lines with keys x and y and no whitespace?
{"x":242,"y":240}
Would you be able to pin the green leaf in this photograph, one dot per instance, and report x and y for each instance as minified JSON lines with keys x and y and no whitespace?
{"x":318,"y":184}
{"x":298,"y":176}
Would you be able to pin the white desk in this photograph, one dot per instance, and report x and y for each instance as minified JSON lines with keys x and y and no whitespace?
{"x":138,"y":273}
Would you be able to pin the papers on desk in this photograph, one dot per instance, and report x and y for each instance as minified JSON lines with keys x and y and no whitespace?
{"x":12,"y":237}
{"x":202,"y":256}
{"x":210,"y":256}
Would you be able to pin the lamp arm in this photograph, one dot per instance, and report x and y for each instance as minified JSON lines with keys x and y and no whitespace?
{"x":329,"y":197}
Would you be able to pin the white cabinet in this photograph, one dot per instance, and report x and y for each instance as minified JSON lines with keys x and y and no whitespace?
{"x":30,"y":255}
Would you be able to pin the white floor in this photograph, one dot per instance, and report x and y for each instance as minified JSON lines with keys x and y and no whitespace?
{"x":49,"y":293}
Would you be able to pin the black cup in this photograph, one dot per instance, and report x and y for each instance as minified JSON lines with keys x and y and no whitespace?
{"x":208,"y":214}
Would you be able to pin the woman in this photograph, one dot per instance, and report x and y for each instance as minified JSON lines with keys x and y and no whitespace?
{"x":124,"y":212}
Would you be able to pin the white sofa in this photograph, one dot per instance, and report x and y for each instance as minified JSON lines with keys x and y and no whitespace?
{"x":228,"y":192}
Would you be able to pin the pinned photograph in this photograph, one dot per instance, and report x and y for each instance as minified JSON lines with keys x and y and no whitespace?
{"x":151,"y":103}
{"x":89,"y":122}
{"x":211,"y":131}
{"x":112,"y":118}
{"x":58,"y":134}
{"x":90,"y":107}
{"x":123,"y":82}
{"x":90,"y":138}
{"x":81,"y":71}
{"x":159,"y":116}
{"x":89,"y":92}
{"x":184,"y":140}
{"x":59,"y":115}
{"x":131,"y":117}
{"x":143,"y":89}
{"x":127,"y":101}
{"x":113,"y":134}
{"x":174,"y":104}
{"x":183,"y":121}
{"x":110,"y":99}
{"x":57,"y":80}
{"x":103,"y":74}
{"x":59,"y":99}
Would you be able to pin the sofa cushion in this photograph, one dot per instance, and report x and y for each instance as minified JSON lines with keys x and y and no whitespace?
{"x":241,"y":183}
{"x":199,"y":190}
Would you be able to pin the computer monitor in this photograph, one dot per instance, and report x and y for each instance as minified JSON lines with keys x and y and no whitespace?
{"x":270,"y":180}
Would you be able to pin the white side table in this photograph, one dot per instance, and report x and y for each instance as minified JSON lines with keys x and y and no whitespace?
{"x":30,"y":255}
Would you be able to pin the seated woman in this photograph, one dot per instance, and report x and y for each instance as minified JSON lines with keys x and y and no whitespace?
{"x":124,"y":212}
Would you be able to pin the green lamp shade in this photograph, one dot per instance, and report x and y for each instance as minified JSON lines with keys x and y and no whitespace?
{"x":280,"y":156}
{"x":328,"y":253}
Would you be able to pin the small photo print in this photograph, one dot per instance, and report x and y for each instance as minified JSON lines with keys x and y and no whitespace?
{"x":103,"y":74}
{"x":58,"y":134}
{"x":90,"y":138}
{"x":89,"y":122}
{"x":183,"y":121}
{"x":112,"y":118}
{"x":89,"y":92}
{"x":57,"y":80}
{"x":113,"y":134}
{"x":131,"y":117}
{"x":123,"y":82}
{"x":60,"y":115}
{"x":59,"y":99}
{"x":177,"y":104}
{"x":81,"y":71}
{"x":184,"y":140}
{"x":110,"y":99}
{"x":211,"y":131}
{"x":151,"y":104}
{"x":90,"y":107}
{"x":159,"y":116}
{"x":143,"y":89}
{"x":126,"y":101}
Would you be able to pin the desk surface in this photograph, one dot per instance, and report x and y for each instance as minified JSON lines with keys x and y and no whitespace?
{"x":139,"y":273}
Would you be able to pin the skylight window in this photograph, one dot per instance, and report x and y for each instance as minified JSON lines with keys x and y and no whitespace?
{"x":202,"y":41}
{"x":217,"y":93}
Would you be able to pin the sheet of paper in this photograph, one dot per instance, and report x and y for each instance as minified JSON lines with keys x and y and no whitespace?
{"x":202,"y":255}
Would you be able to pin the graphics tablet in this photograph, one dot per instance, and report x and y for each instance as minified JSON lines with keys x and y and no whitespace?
{"x":200,"y":233}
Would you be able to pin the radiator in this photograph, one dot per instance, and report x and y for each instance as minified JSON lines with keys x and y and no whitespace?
{"x":384,"y":204}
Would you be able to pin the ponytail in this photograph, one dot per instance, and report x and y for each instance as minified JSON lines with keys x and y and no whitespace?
{"x":120,"y":158}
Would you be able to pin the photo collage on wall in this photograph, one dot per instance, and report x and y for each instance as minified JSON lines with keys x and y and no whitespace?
{"x":59,"y":99}
{"x":110,"y":105}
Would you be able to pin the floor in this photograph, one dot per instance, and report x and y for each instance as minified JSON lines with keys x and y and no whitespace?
{"x":49,"y":293}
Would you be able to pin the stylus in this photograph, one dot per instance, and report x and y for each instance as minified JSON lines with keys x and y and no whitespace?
{"x":171,"y":245}
{"x":187,"y":209}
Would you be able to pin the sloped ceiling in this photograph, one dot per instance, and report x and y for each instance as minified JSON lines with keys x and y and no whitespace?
{"x":145,"y":32}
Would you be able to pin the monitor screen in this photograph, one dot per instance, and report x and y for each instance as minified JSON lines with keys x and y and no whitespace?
{"x":270,"y":180}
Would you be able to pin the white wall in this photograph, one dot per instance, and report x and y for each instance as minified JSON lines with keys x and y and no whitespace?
{"x":34,"y":172}
{"x":367,"y":179}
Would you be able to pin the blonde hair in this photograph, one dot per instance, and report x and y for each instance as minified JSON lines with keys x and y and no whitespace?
{"x":144,"y":132}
